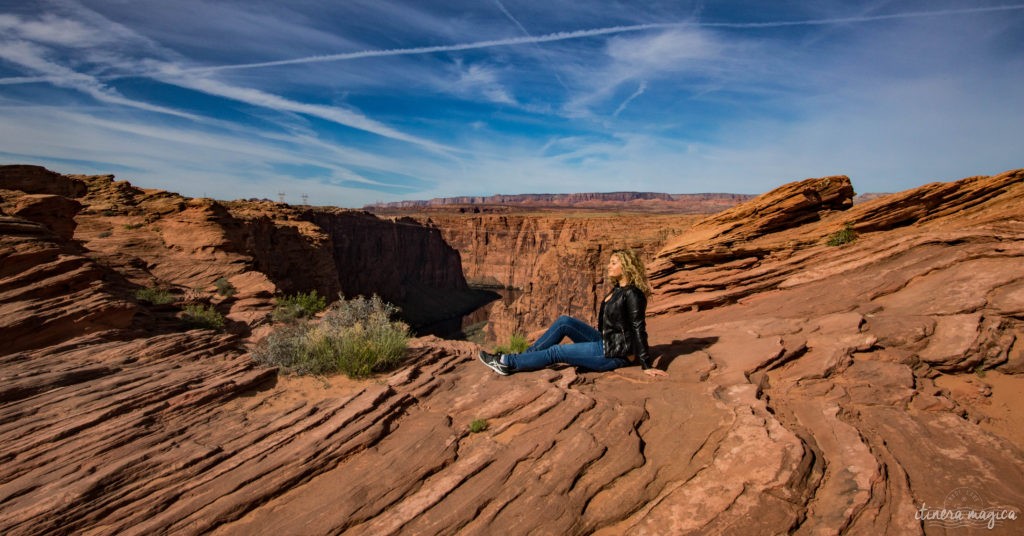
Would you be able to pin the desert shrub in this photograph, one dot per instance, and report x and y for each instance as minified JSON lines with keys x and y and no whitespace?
{"x":291,"y":308}
{"x":225,"y":288}
{"x":355,"y":337}
{"x":203,"y":316}
{"x":156,"y":296}
{"x":131,"y":226}
{"x":108,"y":212}
{"x":105,"y":234}
{"x":842,"y":236}
{"x":478,"y":425}
{"x":517,"y":344}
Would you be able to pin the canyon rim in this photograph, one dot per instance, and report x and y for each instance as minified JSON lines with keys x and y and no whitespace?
{"x":866,"y":387}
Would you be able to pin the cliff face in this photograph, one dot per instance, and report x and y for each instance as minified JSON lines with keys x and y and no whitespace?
{"x":161,"y":239}
{"x":404,"y":262}
{"x":557,"y":261}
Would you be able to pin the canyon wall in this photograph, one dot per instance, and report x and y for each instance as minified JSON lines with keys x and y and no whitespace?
{"x":556,"y":260}
{"x":161,"y":239}
{"x":404,"y":262}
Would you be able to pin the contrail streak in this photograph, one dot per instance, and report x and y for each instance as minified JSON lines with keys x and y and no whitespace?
{"x":594,"y":32}
{"x":510,"y":17}
{"x":527,"y":33}
{"x":24,"y":80}
{"x":639,"y":91}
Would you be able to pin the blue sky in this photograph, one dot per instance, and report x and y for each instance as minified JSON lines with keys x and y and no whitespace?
{"x":353,"y":102}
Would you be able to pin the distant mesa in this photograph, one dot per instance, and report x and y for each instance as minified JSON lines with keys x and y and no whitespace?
{"x":640,"y":201}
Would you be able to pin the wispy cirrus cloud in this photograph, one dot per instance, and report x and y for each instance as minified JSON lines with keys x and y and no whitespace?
{"x":639,"y":91}
{"x":480,"y":80}
{"x":32,"y":57}
{"x":255,"y":97}
{"x":182,"y":158}
{"x":597,"y":32}
{"x":637,"y":59}
{"x":388,"y":99}
{"x":47,"y":29}
{"x":52,"y":29}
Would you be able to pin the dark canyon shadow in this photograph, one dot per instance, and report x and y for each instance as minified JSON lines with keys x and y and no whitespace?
{"x":471,"y":324}
{"x":665,"y":354}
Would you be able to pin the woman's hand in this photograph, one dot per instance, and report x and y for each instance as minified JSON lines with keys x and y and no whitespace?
{"x":655,"y":372}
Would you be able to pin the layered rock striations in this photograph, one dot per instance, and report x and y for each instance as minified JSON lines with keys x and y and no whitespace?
{"x":406,"y":263}
{"x":850,"y":347}
{"x":813,"y":389}
{"x":49,"y":290}
{"x":553,"y":263}
{"x":161,"y":239}
{"x":753,"y":249}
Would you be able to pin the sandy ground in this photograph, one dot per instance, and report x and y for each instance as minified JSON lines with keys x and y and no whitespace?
{"x":999,"y":412}
{"x":290,"y":390}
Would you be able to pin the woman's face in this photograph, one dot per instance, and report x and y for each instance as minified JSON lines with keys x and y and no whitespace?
{"x":614,"y":267}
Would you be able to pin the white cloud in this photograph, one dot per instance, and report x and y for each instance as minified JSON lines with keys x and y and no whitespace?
{"x":255,"y":97}
{"x":193,"y":162}
{"x":31,"y":56}
{"x":51,"y":29}
{"x":663,"y":51}
{"x":60,"y":31}
{"x":642,"y":58}
{"x":479,"y":81}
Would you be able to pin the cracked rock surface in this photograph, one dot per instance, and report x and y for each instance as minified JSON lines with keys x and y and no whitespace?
{"x":812,"y":390}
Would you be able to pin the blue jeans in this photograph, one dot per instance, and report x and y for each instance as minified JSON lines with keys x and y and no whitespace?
{"x":586,"y":352}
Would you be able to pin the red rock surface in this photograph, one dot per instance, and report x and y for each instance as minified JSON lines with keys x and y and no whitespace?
{"x":815,"y":390}
{"x":49,"y":290}
{"x":555,"y":261}
{"x":163,"y":239}
{"x":39,"y":180}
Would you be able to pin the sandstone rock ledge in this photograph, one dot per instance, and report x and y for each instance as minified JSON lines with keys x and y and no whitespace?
{"x":814,"y":390}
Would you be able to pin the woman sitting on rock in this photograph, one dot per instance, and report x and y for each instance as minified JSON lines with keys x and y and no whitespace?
{"x":620,"y":337}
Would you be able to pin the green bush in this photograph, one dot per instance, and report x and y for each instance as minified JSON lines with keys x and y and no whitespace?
{"x":203,"y":316}
{"x":131,"y":226}
{"x":105,"y":234}
{"x":156,"y":296}
{"x":355,"y":337}
{"x":225,"y":288}
{"x":477,"y":426}
{"x":292,"y":308}
{"x":517,"y":344}
{"x":843,"y":236}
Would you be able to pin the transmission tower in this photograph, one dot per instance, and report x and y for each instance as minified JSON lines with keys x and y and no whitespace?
{"x":305,"y":199}
{"x":280,"y":197}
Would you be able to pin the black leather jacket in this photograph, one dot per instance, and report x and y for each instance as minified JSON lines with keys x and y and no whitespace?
{"x":622,"y":325}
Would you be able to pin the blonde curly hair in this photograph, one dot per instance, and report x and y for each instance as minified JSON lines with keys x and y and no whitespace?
{"x":633,"y":269}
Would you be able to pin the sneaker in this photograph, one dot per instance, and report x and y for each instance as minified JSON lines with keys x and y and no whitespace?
{"x":494,"y":361}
